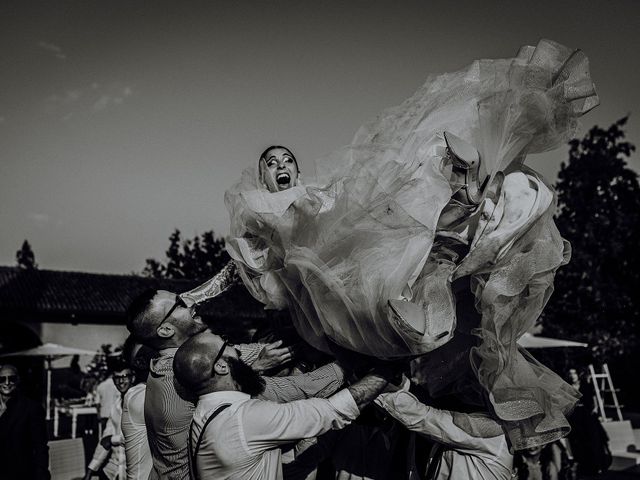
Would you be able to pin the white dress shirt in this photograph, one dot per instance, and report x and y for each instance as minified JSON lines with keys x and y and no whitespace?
{"x":243,"y":441}
{"x":475,"y":447}
{"x":107,"y":395}
{"x":116,"y":465}
{"x":168,"y":415}
{"x":138,"y":454}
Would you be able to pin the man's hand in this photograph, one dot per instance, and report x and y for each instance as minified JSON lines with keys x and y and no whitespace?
{"x":383,"y":377}
{"x":271,"y":356}
{"x":394,"y":386}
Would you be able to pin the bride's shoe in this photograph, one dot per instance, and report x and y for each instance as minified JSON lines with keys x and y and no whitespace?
{"x":411,"y":323}
{"x":468,"y":165}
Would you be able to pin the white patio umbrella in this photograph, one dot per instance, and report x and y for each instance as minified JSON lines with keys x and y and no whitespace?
{"x":534,"y":341}
{"x":49,"y":351}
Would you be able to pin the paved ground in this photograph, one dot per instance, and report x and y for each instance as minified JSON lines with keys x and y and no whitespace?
{"x":633,"y":474}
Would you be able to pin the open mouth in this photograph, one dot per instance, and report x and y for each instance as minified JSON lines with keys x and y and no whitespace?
{"x":283,"y":178}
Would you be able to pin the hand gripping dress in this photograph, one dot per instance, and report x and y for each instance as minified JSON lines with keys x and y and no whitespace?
{"x":382,"y":222}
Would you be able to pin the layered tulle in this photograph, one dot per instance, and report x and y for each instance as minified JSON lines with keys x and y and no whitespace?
{"x":380,"y":224}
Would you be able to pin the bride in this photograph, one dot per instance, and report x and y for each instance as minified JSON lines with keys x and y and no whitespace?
{"x":431,"y":203}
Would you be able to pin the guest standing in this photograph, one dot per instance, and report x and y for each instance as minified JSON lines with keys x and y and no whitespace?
{"x":24,"y":453}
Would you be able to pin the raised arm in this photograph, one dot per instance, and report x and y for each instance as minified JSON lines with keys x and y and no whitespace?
{"x":477,"y":433}
{"x":274,"y":424}
{"x":212,"y":287}
{"x":321,"y":382}
{"x":264,"y":356}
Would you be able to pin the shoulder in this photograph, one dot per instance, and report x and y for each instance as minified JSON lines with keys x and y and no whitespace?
{"x":105,"y":385}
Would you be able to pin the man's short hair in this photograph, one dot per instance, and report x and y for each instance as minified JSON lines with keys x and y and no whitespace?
{"x":119,"y":365}
{"x":140,"y":320}
{"x":10,"y":366}
{"x":193,"y":364}
{"x":139,"y":361}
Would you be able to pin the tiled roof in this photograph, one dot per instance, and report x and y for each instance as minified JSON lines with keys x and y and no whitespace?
{"x":83,"y":294}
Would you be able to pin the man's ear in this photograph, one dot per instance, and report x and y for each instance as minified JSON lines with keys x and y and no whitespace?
{"x":166,"y":330}
{"x":221,"y":367}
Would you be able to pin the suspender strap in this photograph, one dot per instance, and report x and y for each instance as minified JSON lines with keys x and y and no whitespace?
{"x":193,"y":452}
{"x":434,"y":464}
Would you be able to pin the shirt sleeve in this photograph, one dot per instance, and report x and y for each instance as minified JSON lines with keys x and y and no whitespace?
{"x":321,"y":383}
{"x":112,"y":430}
{"x":249,"y":351}
{"x":213,"y":287}
{"x":477,"y":433}
{"x":100,"y":454}
{"x":134,"y":404}
{"x":267,"y":424}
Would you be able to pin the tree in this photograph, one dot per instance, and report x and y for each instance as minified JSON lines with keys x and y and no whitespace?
{"x":595,"y":298}
{"x":196,"y":259}
{"x":25,"y":257}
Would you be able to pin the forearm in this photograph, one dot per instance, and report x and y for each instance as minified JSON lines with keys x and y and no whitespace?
{"x":367,"y":389}
{"x":212,"y":287}
{"x":249,"y":352}
{"x":320,"y":383}
{"x":480,"y":434}
{"x":100,"y":455}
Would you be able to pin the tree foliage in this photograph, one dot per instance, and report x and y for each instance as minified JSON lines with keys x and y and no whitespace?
{"x":596,"y":294}
{"x":25,"y":257}
{"x":198,"y":258}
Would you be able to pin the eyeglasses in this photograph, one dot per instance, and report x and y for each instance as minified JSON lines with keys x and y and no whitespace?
{"x":10,"y":379}
{"x":179,"y":302}
{"x":122,"y":377}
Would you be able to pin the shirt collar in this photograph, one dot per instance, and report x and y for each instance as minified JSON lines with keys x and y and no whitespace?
{"x":213,"y":399}
{"x":165,"y":352}
{"x":163,"y":364}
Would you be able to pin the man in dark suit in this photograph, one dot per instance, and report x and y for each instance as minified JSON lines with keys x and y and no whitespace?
{"x":23,"y":432}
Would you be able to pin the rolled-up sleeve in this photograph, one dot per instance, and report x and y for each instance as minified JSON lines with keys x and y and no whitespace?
{"x":249,"y":352}
{"x":320,"y":383}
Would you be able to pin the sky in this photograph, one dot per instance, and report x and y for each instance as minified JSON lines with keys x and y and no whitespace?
{"x":123,"y":120}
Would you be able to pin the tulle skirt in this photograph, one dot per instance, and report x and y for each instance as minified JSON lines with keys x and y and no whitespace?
{"x":379,"y":223}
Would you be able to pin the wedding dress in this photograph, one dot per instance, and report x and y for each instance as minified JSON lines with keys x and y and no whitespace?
{"x":383,"y":222}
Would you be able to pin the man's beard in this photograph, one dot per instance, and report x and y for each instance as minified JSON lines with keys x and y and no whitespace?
{"x":196,"y":328}
{"x":249,"y":381}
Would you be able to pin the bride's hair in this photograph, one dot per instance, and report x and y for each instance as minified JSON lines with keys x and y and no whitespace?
{"x":268,"y":149}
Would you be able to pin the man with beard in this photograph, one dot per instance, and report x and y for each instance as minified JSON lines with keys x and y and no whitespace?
{"x":163,"y":322}
{"x":237,"y":433}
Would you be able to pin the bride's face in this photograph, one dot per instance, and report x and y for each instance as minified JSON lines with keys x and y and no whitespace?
{"x":278,"y":170}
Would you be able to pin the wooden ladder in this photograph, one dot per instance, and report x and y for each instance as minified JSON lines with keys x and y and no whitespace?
{"x":602,"y":384}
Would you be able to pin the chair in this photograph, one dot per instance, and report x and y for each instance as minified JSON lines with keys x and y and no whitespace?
{"x":66,"y":459}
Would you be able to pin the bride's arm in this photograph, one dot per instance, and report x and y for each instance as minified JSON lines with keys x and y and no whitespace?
{"x":212,"y":287}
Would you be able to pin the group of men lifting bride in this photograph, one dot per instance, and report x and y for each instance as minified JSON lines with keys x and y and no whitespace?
{"x":413,"y":263}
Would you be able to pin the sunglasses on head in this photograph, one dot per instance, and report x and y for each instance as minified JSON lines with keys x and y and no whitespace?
{"x":9,"y":379}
